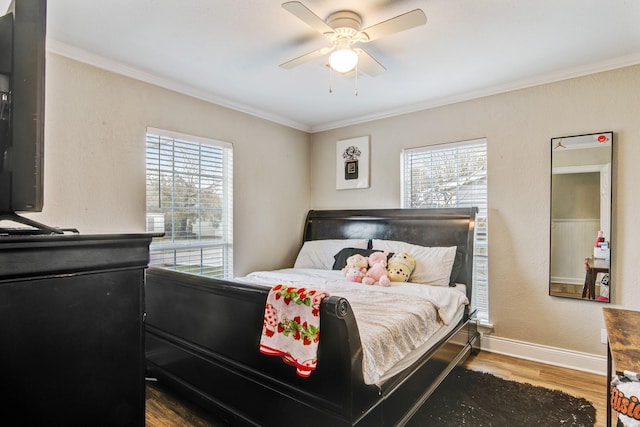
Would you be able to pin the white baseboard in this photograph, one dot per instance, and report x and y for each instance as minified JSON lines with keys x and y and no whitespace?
{"x":550,"y":355}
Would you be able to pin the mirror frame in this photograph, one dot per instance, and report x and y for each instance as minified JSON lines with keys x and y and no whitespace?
{"x":594,"y":262}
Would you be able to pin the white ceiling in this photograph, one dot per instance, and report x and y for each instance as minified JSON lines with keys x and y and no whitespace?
{"x":228,"y":51}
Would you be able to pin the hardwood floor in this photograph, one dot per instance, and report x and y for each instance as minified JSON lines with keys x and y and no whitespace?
{"x":165,"y":409}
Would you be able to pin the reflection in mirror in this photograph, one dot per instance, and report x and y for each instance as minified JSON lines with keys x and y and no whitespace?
{"x":581,"y":168}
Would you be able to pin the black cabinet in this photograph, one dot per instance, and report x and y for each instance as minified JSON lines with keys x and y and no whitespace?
{"x":71,"y":329}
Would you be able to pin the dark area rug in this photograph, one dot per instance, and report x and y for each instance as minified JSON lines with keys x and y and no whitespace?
{"x":470,"y":398}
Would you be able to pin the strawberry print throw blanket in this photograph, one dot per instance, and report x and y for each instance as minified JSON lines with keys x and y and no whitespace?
{"x":291,"y":326}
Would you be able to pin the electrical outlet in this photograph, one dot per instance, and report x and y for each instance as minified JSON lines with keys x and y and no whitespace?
{"x":603,"y":336}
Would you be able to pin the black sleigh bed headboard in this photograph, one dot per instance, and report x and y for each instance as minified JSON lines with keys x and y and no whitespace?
{"x":425,"y":227}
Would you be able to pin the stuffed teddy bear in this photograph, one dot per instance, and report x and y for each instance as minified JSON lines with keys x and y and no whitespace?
{"x":377,"y":271}
{"x":400,"y":267}
{"x":356,"y":268}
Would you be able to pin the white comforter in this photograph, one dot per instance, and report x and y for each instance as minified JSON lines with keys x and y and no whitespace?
{"x":392,"y":321}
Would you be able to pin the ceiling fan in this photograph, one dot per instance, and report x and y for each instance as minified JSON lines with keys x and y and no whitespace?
{"x":342,"y":30}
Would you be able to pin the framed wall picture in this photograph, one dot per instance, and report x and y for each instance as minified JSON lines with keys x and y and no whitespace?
{"x":352,"y":163}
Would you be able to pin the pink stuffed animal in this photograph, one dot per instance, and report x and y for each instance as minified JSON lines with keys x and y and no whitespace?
{"x":356,"y":268}
{"x":377,"y":271}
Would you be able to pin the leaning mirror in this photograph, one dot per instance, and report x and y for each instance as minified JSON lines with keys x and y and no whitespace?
{"x":581,"y":170}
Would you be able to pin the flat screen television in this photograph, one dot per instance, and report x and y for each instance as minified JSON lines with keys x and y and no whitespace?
{"x":22,"y":87}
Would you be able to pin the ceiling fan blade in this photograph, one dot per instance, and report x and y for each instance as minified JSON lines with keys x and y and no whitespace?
{"x":402,"y":22}
{"x":306,"y":15}
{"x":305,"y":58}
{"x":367,"y":64}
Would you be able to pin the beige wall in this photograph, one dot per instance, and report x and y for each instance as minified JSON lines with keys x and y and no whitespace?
{"x":95,"y":124}
{"x":94,"y":177}
{"x":518,"y":126}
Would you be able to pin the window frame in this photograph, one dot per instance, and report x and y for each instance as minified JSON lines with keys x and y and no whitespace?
{"x":481,"y":255}
{"x":200,"y":249}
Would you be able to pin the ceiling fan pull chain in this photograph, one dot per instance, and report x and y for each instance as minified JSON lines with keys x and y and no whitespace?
{"x":356,"y":91}
{"x":330,"y":80}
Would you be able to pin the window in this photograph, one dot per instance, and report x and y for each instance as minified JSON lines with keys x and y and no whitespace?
{"x":453,"y":175}
{"x":190,"y":200}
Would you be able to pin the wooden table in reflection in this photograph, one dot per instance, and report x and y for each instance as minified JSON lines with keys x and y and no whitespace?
{"x":594,"y":266}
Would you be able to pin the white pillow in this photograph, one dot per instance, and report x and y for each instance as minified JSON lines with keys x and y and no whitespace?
{"x":433,"y":264}
{"x":319,"y":254}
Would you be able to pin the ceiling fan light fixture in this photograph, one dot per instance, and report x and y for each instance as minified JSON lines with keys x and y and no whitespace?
{"x":343,"y":60}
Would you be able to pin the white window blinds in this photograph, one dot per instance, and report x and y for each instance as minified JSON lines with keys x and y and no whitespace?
{"x":190,"y":200}
{"x":453,"y":175}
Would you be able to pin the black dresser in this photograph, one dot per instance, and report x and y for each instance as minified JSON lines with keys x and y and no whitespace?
{"x":71,"y":329}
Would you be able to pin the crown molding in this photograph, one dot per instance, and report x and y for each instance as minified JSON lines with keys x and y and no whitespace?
{"x":98,"y":61}
{"x":569,"y":73}
{"x":89,"y":58}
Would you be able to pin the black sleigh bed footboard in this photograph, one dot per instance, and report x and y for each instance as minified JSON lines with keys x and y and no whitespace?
{"x":203,"y":334}
{"x":203,"y":338}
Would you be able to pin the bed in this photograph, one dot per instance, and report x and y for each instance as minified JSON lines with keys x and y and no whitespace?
{"x":203,"y":335}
